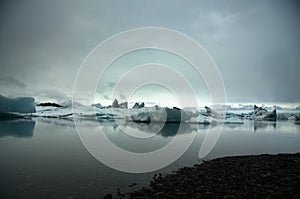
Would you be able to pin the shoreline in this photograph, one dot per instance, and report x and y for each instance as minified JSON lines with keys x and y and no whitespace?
{"x":250,"y":176}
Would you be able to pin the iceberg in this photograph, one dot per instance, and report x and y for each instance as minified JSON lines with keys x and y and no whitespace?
{"x":210,"y":116}
{"x":158,"y":114}
{"x":98,"y":105}
{"x":116,"y":104}
{"x":262,"y":114}
{"x":17,"y":105}
{"x":139,"y":105}
{"x":201,"y":119}
{"x":50,"y":104}
{"x":176,"y":115}
{"x":212,"y":113}
{"x":297,"y":119}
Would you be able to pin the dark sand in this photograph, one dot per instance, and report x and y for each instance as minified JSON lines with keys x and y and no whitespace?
{"x":255,"y":176}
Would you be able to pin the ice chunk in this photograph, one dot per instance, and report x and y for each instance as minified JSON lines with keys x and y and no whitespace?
{"x":261,"y":113}
{"x":98,"y":105}
{"x":50,"y":104}
{"x":139,"y":105}
{"x":212,"y":117}
{"x":297,"y":119}
{"x":116,"y":104}
{"x":201,"y":119}
{"x":19,"y":104}
{"x":141,"y":117}
{"x":160,"y":115}
{"x":212,"y":113}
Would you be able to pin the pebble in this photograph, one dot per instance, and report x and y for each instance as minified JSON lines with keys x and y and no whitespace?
{"x":254,"y":176}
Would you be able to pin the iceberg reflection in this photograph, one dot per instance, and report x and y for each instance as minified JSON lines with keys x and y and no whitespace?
{"x":264,"y":125}
{"x":17,"y":128}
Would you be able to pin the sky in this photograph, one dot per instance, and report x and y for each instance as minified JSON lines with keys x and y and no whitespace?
{"x":255,"y":45}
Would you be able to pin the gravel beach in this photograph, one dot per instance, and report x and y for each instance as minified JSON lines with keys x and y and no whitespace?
{"x":253,"y":176}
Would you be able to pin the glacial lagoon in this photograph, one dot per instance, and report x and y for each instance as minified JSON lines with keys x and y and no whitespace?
{"x":45,"y":158}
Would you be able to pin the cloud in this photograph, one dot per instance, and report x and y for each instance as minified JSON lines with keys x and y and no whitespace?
{"x":53,"y":94}
{"x":11,"y":87}
{"x":122,"y":96}
{"x":10,"y":81}
{"x":104,"y":90}
{"x":252,"y":42}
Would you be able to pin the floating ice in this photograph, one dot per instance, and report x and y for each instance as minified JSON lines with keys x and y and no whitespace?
{"x":139,"y":105}
{"x":116,"y":104}
{"x":17,"y":105}
{"x":261,"y":113}
{"x":158,"y":114}
{"x":50,"y":104}
{"x":297,"y":119}
{"x":98,"y":105}
{"x":24,"y":107}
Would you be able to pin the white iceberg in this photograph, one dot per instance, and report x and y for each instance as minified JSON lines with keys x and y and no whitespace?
{"x":212,"y":117}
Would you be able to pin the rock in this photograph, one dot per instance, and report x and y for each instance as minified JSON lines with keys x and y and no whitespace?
{"x":108,"y":196}
{"x":158,"y":194}
{"x":133,"y":184}
{"x":254,"y":176}
{"x":229,"y":197}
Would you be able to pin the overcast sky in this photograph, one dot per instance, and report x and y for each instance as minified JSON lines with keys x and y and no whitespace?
{"x":255,"y":44}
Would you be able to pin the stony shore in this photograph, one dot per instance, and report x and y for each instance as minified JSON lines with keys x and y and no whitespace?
{"x":254,"y":176}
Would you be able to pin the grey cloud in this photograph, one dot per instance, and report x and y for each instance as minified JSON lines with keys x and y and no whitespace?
{"x":54,"y":94}
{"x":254,"y":43}
{"x":105,"y":89}
{"x":122,"y":96}
{"x":106,"y":97}
{"x":10,"y":81}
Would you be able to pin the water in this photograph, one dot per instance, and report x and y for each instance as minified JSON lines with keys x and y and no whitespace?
{"x":44,"y":158}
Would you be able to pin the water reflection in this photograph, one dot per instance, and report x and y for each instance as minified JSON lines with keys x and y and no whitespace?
{"x":25,"y":128}
{"x":17,"y":128}
{"x":166,"y":130}
{"x":56,"y":161}
{"x":233,"y":126}
{"x":56,"y":121}
{"x":264,"y":125}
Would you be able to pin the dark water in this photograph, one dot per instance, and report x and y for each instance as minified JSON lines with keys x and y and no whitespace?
{"x":46,"y":159}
